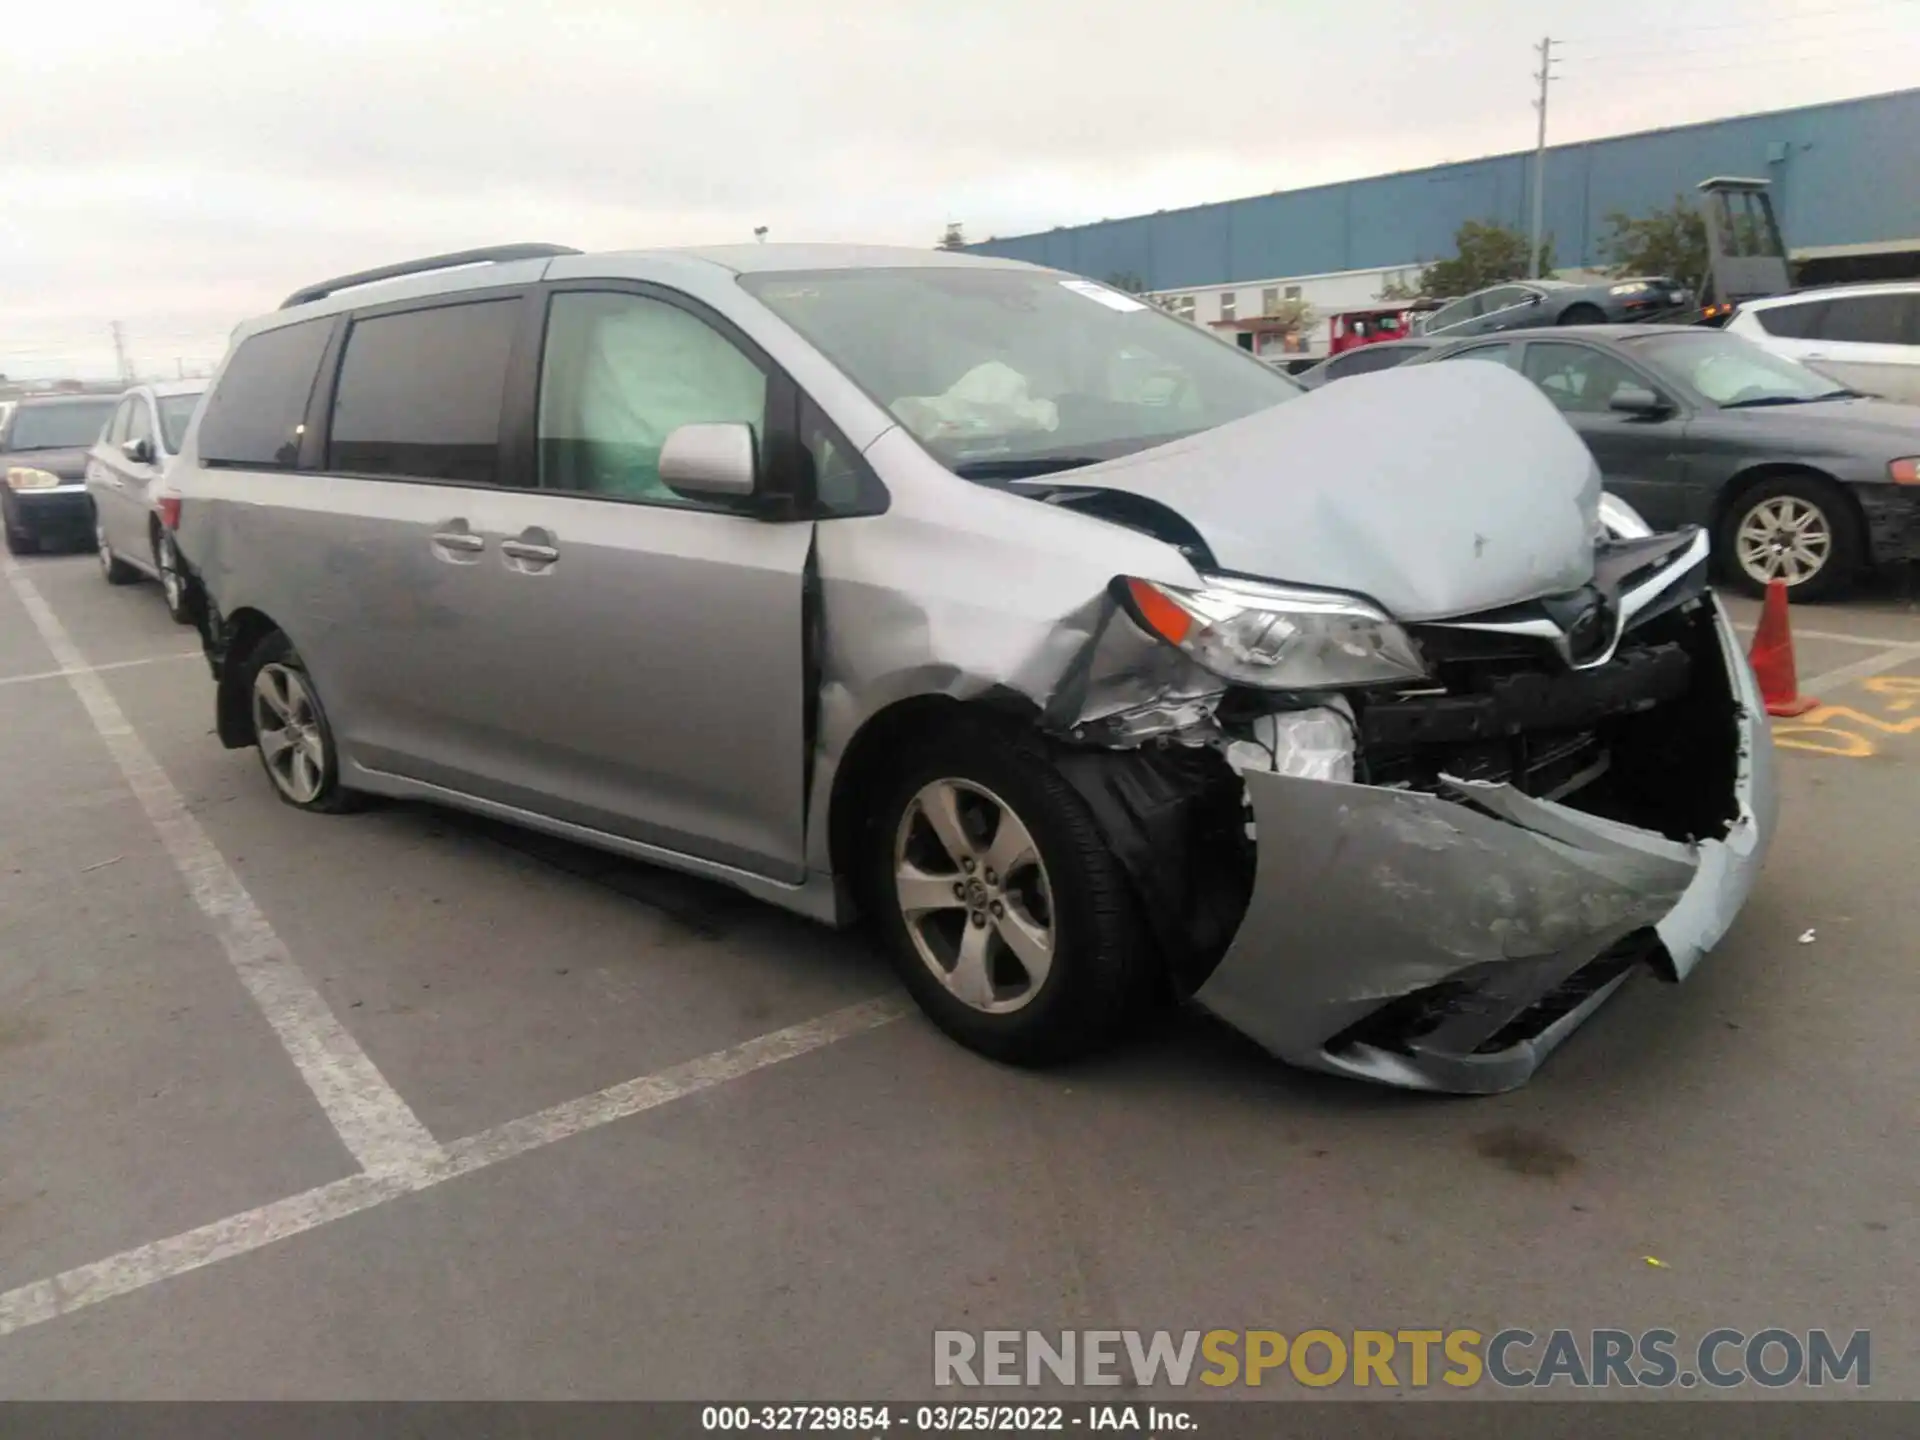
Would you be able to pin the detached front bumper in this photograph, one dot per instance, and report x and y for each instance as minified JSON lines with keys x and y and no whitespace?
{"x":1450,"y":941}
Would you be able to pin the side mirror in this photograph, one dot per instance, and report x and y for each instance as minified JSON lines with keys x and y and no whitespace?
{"x":1534,"y":297}
{"x":138,"y":450}
{"x":1637,"y":400}
{"x":708,"y":460}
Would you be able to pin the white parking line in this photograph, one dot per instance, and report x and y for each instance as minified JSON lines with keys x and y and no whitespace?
{"x":1861,"y":669}
{"x":373,"y":1122}
{"x":91,"y":669}
{"x":1747,"y":627}
{"x":136,"y":1269}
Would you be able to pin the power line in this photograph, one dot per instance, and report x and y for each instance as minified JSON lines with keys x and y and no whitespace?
{"x":1799,"y":16}
{"x":1799,"y":42}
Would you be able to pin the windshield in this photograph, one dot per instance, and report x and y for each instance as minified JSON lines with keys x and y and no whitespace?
{"x":175,"y":412}
{"x":1004,"y":372}
{"x":1731,"y":371}
{"x":69,"y":425}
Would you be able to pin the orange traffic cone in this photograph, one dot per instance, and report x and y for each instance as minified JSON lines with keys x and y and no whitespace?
{"x":1772,"y":657}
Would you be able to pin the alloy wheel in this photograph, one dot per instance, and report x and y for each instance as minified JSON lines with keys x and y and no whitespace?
{"x":975,"y":896}
{"x":102,"y":551}
{"x":1784,"y":537}
{"x":167,"y":560}
{"x":287,"y":722}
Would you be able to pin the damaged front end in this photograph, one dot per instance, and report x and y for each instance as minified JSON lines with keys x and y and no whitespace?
{"x":1432,"y":884}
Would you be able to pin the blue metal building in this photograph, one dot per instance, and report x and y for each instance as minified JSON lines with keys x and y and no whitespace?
{"x":1846,"y":179}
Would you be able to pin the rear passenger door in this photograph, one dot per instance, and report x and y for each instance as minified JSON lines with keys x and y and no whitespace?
{"x":1870,"y":343}
{"x":540,"y":623}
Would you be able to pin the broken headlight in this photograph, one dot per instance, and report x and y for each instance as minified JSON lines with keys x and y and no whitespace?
{"x":1275,"y":637}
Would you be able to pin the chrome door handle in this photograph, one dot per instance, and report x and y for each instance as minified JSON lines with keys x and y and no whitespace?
{"x":463,"y":540}
{"x":523,"y":550}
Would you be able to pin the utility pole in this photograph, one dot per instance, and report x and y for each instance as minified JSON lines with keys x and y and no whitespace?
{"x":1544,"y":75}
{"x":120,"y":353}
{"x":180,"y":366}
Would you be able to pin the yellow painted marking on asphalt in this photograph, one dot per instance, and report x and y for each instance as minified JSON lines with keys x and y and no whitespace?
{"x":1817,"y":732}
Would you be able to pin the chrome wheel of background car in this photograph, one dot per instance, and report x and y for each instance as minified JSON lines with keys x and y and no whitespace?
{"x":287,"y":722}
{"x":102,"y":551}
{"x":975,"y":896}
{"x":167,"y":561}
{"x":1784,"y":537}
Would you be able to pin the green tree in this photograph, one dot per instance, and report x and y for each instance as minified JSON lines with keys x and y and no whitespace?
{"x":953,"y":238}
{"x":1485,"y":253}
{"x":1667,"y":242}
{"x":1393,"y":290}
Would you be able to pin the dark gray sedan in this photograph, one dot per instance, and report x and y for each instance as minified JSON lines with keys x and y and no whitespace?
{"x":43,"y":452}
{"x":1799,"y":479}
{"x":1531,"y":304}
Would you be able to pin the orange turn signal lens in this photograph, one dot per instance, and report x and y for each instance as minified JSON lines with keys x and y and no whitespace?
{"x":1903,"y":472}
{"x":1162,"y":616}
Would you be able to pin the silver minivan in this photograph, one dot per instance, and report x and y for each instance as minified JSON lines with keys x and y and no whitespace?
{"x":1085,"y":654}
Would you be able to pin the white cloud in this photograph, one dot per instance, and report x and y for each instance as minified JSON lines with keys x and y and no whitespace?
{"x":188,"y":164}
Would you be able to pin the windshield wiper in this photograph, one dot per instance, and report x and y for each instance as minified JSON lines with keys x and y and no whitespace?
{"x":1020,"y":469}
{"x":1760,"y":400}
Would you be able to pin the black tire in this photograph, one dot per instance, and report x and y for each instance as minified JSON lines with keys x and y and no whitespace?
{"x":166,"y":561}
{"x":1583,"y":315}
{"x":1104,"y":971}
{"x":329,"y":797}
{"x":117,"y":571}
{"x":1847,"y":550}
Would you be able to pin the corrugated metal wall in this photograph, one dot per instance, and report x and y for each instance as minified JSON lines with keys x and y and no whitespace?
{"x":1846,"y":173}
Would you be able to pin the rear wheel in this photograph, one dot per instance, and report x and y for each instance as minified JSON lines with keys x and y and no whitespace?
{"x":117,"y":571}
{"x":173,"y":583}
{"x":1008,"y":918}
{"x":1799,"y":529}
{"x":291,"y":732}
{"x":1582,"y":315}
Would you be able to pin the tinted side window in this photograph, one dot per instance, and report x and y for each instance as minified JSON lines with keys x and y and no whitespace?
{"x":419,"y":394}
{"x":1864,"y":320}
{"x":1367,"y":358}
{"x":1791,"y":322}
{"x":1578,"y":378}
{"x":622,"y":372}
{"x":255,"y":413}
{"x":844,"y":484}
{"x":1453,"y":314}
{"x":1501,"y":354}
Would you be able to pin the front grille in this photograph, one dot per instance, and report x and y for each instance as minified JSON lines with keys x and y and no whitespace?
{"x":1507,"y":710}
{"x":1571,"y":993}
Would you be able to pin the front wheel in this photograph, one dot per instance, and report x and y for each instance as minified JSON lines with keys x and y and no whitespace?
{"x":1798,"y":529}
{"x":1006,"y":915}
{"x":1582,"y":315}
{"x":290,"y":730}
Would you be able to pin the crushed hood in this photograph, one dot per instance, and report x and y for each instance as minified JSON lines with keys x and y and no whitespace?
{"x":1435,"y":490}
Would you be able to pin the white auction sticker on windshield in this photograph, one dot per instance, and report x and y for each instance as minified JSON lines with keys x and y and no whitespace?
{"x":1112,"y":299}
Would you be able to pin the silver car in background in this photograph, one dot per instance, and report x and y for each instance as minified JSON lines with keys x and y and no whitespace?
{"x":1085,"y":654}
{"x":134,"y":509}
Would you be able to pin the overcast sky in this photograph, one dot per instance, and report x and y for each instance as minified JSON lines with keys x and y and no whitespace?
{"x":178,"y":166}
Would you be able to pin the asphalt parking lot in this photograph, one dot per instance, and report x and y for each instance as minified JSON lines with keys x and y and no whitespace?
{"x":402,"y":1104}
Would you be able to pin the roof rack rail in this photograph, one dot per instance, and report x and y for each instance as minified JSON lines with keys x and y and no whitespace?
{"x":489,"y":254}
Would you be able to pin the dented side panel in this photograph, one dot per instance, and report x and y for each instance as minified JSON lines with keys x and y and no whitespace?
{"x":972,"y":594}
